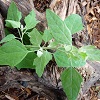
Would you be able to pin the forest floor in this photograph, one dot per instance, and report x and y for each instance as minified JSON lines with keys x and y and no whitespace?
{"x":26,"y":85}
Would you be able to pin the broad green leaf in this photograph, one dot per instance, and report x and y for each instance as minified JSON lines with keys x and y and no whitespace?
{"x":30,"y":20}
{"x":13,"y":24}
{"x":47,"y":35}
{"x":54,"y":44}
{"x":13,"y":13}
{"x":27,"y":62}
{"x":8,"y":38}
{"x":61,"y":59}
{"x":71,"y":82}
{"x":77,"y":60}
{"x":74,"y":23}
{"x":92,"y":52}
{"x":70,"y":59}
{"x":41,"y":62}
{"x":12,"y":53}
{"x":35,"y":37}
{"x":58,"y":28}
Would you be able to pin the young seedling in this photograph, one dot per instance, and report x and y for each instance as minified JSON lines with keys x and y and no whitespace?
{"x":16,"y":52}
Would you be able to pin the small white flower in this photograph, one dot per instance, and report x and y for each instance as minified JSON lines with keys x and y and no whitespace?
{"x":40,"y":52}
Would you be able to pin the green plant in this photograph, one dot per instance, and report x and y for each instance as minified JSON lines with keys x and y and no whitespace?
{"x":16,"y":51}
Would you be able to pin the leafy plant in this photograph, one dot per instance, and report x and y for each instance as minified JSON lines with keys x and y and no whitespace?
{"x":17,"y":52}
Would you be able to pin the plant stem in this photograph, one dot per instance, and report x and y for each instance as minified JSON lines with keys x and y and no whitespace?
{"x":31,"y":46}
{"x":45,"y":48}
{"x":19,"y":34}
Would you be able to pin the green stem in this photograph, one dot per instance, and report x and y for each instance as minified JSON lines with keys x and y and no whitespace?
{"x":31,"y":46}
{"x":19,"y":34}
{"x":45,"y":48}
{"x":22,"y":36}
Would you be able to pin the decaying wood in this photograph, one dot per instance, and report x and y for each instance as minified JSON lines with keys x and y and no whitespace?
{"x":60,"y":7}
{"x":91,"y":74}
{"x":1,"y":27}
{"x":23,"y":6}
{"x":94,"y":77}
{"x":13,"y":78}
